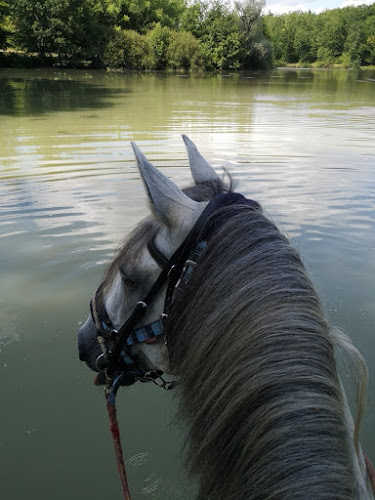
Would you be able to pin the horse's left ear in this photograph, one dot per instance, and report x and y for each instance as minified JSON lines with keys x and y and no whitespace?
{"x":169,"y":204}
{"x":201,"y":170}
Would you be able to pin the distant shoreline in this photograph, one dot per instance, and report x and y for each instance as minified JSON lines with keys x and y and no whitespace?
{"x":24,"y":60}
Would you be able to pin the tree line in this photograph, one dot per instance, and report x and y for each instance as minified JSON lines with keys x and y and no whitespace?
{"x":180,"y":34}
{"x":339,"y":36}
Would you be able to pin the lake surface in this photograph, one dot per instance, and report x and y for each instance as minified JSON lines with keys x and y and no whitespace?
{"x":301,"y":142}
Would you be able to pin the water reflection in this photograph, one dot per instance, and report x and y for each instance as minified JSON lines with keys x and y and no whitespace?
{"x":22,"y":96}
{"x":300,"y":142}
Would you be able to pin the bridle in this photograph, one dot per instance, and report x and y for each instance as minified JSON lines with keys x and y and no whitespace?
{"x":176,"y":273}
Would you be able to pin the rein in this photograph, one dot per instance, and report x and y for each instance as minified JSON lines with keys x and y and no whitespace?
{"x":110,"y":397}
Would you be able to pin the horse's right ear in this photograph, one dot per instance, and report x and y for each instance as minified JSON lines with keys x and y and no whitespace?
{"x":201,"y":170}
{"x":169,"y":204}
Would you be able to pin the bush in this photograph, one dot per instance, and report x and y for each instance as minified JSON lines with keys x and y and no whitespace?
{"x":325,"y":56}
{"x":222,"y":54}
{"x":183,"y":51}
{"x":159,"y":40}
{"x":127,"y":49}
{"x":161,"y":48}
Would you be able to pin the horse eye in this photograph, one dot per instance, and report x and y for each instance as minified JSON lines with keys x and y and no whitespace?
{"x":128,"y":282}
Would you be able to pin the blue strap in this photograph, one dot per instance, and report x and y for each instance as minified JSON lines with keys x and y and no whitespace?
{"x":156,"y":328}
{"x":146,"y":332}
{"x":111,"y":396}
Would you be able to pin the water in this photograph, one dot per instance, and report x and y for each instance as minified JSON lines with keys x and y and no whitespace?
{"x":300,"y":142}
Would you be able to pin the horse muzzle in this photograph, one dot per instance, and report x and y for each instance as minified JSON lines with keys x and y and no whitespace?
{"x":88,"y":348}
{"x":90,"y":352}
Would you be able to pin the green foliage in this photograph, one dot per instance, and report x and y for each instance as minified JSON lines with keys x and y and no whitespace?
{"x":339,"y":36}
{"x":293,"y":36}
{"x":183,"y":51}
{"x":232,"y":39}
{"x":191,"y":18}
{"x":359,"y":43}
{"x":217,"y":39}
{"x":4,"y":23}
{"x":161,"y":48}
{"x":144,"y":15}
{"x":183,"y":34}
{"x":221,"y":42}
{"x":159,"y":40}
{"x":127,"y":49}
{"x":74,"y":30}
{"x":331,"y":37}
{"x":257,"y":50}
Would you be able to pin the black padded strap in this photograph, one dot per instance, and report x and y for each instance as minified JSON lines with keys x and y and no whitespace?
{"x":156,"y":254}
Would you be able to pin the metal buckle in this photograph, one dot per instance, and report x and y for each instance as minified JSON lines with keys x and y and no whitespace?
{"x":186,"y":265}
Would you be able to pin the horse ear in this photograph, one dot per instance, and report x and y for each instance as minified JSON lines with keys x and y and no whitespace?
{"x":201,"y":170}
{"x":169,"y":204}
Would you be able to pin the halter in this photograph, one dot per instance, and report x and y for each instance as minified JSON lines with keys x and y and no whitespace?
{"x":176,"y":271}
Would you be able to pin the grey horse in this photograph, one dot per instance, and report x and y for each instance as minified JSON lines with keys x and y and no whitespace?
{"x":246,"y":338}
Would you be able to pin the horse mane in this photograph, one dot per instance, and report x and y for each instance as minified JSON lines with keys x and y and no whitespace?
{"x":258,"y":381}
{"x":357,"y":368}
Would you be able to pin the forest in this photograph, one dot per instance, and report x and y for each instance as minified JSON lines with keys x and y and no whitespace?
{"x":181,"y":35}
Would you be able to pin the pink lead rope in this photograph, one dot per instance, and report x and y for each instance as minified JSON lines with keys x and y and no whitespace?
{"x":115,"y":431}
{"x":370,"y":470}
{"x":110,"y":396}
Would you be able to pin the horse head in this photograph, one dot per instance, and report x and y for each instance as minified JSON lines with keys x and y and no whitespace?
{"x":138,"y":264}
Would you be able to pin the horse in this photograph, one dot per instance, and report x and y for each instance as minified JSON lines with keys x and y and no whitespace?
{"x":208,"y":289}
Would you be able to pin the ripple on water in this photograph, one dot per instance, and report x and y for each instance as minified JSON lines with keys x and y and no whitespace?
{"x":151,"y":483}
{"x":9,"y":332}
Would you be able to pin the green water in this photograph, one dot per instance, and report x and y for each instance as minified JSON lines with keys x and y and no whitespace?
{"x":300,"y":142}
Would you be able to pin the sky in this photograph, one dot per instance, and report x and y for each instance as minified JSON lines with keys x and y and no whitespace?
{"x":282,"y":6}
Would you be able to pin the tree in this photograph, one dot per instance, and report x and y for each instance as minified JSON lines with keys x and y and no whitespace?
{"x":159,"y":39}
{"x":144,"y":15}
{"x":331,"y":36}
{"x":369,"y":53}
{"x":4,"y":12}
{"x":127,"y":49}
{"x":343,"y":36}
{"x":220,"y":40}
{"x":257,"y":49}
{"x":75,"y":30}
{"x":305,"y":42}
{"x":183,"y":50}
{"x":191,"y":18}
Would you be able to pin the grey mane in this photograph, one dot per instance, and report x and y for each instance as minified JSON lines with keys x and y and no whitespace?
{"x":258,"y":382}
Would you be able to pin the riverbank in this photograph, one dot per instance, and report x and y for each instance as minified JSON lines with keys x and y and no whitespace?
{"x":323,"y":65}
{"x":22,"y":60}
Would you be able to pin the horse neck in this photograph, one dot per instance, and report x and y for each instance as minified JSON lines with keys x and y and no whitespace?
{"x":259,"y":386}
